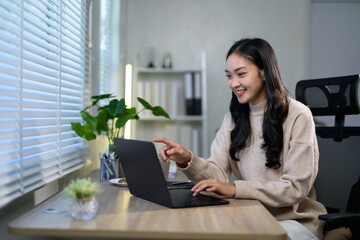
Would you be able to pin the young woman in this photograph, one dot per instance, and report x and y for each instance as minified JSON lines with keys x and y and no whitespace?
{"x":267,"y":141}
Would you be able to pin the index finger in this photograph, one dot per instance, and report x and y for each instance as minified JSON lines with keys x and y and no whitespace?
{"x":164,"y":140}
{"x":200,"y":186}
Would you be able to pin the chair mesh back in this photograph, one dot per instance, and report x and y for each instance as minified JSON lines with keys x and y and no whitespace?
{"x":336,"y":96}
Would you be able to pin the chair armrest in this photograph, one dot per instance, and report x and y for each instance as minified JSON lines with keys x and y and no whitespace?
{"x":337,"y":133}
{"x":340,"y":217}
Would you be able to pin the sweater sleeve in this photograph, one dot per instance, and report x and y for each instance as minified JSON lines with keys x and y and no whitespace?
{"x":297,"y":173}
{"x":217,"y":166}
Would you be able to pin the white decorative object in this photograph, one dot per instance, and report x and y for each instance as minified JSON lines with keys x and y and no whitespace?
{"x":83,"y":208}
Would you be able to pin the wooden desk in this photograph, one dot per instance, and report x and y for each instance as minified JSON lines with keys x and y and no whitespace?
{"x":122,"y":215}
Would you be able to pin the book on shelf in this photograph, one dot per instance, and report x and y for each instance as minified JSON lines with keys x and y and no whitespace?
{"x":197,"y":94}
{"x":156,"y":93}
{"x":193,"y":93}
{"x":163,"y":94}
{"x":189,"y":93}
{"x":148,"y":95}
{"x":178,"y":98}
{"x":168,"y":95}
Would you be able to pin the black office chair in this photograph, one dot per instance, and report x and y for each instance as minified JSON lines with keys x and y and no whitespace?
{"x":337,"y":96}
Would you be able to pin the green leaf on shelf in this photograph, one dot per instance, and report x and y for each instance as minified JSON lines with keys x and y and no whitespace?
{"x":145,"y":103}
{"x":159,"y":111}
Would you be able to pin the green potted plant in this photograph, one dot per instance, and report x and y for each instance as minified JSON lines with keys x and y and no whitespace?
{"x":110,"y":118}
{"x":83,"y":204}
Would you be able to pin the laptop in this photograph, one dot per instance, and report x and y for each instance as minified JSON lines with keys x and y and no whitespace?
{"x":145,"y":178}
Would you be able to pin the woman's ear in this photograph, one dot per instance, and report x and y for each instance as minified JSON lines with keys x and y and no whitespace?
{"x":262,"y":74}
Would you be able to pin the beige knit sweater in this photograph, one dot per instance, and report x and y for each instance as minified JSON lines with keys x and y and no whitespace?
{"x":287,"y":192}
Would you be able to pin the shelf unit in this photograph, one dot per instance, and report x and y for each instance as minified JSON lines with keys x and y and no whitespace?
{"x":165,"y":87}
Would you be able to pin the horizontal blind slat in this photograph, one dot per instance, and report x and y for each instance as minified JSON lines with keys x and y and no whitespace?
{"x":41,"y":46}
{"x":34,"y":80}
{"x":6,"y":48}
{"x":39,"y":140}
{"x":12,"y":6}
{"x":10,"y":28}
{"x":41,"y":14}
{"x":76,"y":81}
{"x":9,"y":69}
{"x":53,"y":31}
{"x":72,"y":58}
{"x":44,"y":11}
{"x":9,"y":174}
{"x":12,"y":17}
{"x":73,"y":8}
{"x":29,"y":65}
{"x":32,"y":94}
{"x":32,"y":159}
{"x":39,"y":59}
{"x":29,"y":113}
{"x":8,"y":123}
{"x":53,"y":6}
{"x":32,"y":30}
{"x":74,"y":51}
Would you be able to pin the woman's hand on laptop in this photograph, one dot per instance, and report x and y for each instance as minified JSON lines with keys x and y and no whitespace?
{"x":174,"y":151}
{"x":214,"y":185}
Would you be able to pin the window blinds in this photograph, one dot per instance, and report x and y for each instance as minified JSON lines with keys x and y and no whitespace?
{"x":42,"y":75}
{"x":105,"y":46}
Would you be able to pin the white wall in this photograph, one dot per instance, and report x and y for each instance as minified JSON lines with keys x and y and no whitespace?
{"x":187,"y":27}
{"x":335,"y":51}
{"x":335,"y":42}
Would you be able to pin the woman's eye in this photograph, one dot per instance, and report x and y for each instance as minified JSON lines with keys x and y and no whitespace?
{"x":241,"y":74}
{"x":228,"y":76}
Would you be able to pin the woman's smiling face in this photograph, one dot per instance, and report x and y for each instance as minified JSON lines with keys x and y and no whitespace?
{"x":245,"y":79}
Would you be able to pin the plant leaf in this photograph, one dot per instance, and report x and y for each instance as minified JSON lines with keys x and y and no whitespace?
{"x":89,"y":119}
{"x":97,"y":98}
{"x":112,"y":107}
{"x":83,"y":131}
{"x":129,"y":113}
{"x":101,"y":121}
{"x":88,"y":130}
{"x":103,"y":96}
{"x":145,"y":104}
{"x":78,"y":129}
{"x":159,"y":111}
{"x":81,"y":188}
{"x":120,"y":106}
{"x":121,"y":121}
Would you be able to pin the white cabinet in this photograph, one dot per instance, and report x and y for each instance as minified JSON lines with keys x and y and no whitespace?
{"x":167,"y":88}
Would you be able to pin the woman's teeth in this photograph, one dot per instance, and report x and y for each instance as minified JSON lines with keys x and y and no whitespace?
{"x":239,"y":92}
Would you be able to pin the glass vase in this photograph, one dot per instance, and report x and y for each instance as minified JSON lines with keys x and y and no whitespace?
{"x":84,"y":208}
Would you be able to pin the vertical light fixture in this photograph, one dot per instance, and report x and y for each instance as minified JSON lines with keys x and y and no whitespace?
{"x":128,"y":97}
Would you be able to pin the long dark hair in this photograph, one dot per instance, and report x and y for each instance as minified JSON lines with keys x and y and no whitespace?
{"x":260,"y":53}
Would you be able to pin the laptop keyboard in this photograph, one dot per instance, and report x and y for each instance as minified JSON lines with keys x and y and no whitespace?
{"x":179,"y":185}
